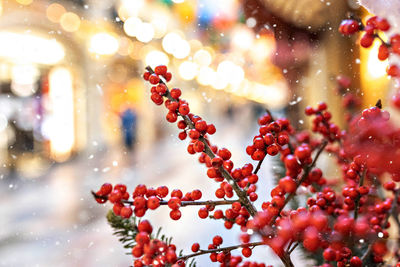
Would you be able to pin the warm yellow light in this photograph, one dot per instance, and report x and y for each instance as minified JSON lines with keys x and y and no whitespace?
{"x":70,"y":22}
{"x":376,"y":68}
{"x":61,"y":124}
{"x":54,"y":12}
{"x":25,"y":2}
{"x":188,"y":70}
{"x":206,"y":76}
{"x":242,"y":38}
{"x":229,"y":72}
{"x":131,"y":8}
{"x":103,"y":44}
{"x":145,"y":33}
{"x":155,"y":58}
{"x":132,"y":26}
{"x":202,"y":57}
{"x":27,"y":48}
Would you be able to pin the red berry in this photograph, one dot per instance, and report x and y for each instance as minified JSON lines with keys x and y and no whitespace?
{"x":203,"y":213}
{"x":145,"y":226}
{"x":175,"y":93}
{"x":273,"y":150}
{"x":355,"y":262}
{"x":367,"y":40}
{"x":195,"y":247}
{"x":153,"y":203}
{"x":105,"y":189}
{"x":224,"y":153}
{"x":174,"y":203}
{"x":246,"y":252}
{"x":184,"y":109}
{"x":161,"y":70}
{"x":175,"y":214}
{"x":393,"y":70}
{"x":126,"y":212}
{"x":309,"y":111}
{"x":171,"y":117}
{"x":154,"y":79}
{"x":196,"y":194}
{"x":217,"y":240}
{"x":168,"y":76}
{"x":348,"y":27}
{"x":146,"y":75}
{"x":382,"y":24}
{"x":182,"y":135}
{"x":201,"y":126}
{"x":383,"y":53}
{"x":211,"y":129}
{"x":288,"y":184}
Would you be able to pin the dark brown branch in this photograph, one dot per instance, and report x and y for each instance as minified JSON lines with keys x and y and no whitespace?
{"x":227,"y":249}
{"x":243,"y":199}
{"x":258,"y":166}
{"x":357,"y":201}
{"x":183,"y":203}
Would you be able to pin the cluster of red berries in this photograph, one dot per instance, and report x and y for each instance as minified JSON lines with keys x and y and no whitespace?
{"x":153,"y":252}
{"x":371,"y":32}
{"x":273,"y":135}
{"x":321,"y":122}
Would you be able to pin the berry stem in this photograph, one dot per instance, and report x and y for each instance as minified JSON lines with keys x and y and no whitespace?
{"x":183,"y":203}
{"x":243,"y":199}
{"x":226,"y":249}
{"x":357,"y":201}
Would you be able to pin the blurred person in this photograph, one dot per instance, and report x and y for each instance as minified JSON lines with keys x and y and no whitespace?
{"x":129,"y":125}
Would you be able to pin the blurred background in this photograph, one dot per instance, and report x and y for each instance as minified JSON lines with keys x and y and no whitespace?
{"x":75,"y":113}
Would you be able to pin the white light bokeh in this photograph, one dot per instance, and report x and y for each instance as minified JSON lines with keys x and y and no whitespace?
{"x":188,"y":70}
{"x":132,"y":26}
{"x":103,"y":44}
{"x":155,"y":58}
{"x":145,"y":33}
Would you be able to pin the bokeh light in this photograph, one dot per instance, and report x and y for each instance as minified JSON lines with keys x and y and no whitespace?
{"x":132,"y":26}
{"x":155,"y":58}
{"x":54,"y":12}
{"x":145,"y":33}
{"x":188,"y":70}
{"x":103,"y":44}
{"x":70,"y":22}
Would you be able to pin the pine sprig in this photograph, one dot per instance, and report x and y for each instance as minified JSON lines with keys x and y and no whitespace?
{"x":125,"y":229}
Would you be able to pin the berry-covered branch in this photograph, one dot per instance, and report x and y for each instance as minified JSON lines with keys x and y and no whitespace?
{"x":307,"y":170}
{"x":182,"y":203}
{"x":239,"y":192}
{"x":222,"y":249}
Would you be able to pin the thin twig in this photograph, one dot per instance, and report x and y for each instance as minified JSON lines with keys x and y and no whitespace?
{"x":357,"y":201}
{"x":258,"y":166}
{"x":183,"y":203}
{"x":227,"y":249}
